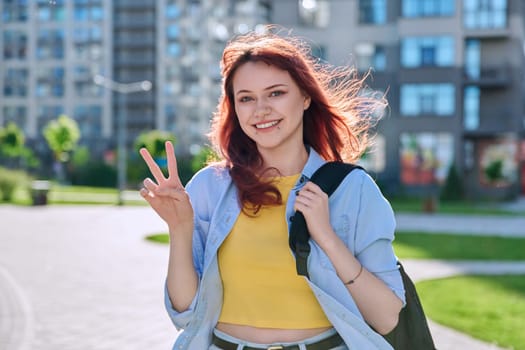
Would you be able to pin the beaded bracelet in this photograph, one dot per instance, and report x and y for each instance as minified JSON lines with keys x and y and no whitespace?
{"x":358,"y":274}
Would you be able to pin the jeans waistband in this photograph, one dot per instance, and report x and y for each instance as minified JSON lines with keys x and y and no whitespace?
{"x":326,"y":340}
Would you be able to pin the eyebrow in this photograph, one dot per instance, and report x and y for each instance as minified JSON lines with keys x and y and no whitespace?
{"x":265,"y":89}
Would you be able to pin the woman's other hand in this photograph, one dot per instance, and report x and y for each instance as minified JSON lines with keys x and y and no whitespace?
{"x":313,"y":203}
{"x":167,"y":196}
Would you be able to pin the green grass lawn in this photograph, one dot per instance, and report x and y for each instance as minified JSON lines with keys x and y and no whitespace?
{"x":60,"y":194}
{"x":163,"y":238}
{"x":416,"y":245}
{"x":415,"y":205}
{"x":490,"y":308}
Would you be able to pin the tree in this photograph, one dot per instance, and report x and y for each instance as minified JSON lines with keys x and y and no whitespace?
{"x":205,"y":155}
{"x":11,"y":140}
{"x":12,"y":147}
{"x":154,"y":141}
{"x":62,"y":136}
{"x":453,"y":188}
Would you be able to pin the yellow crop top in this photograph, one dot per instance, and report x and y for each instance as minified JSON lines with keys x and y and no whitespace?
{"x":261,"y":285}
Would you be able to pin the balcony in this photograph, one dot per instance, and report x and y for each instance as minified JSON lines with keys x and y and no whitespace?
{"x":495,"y":120}
{"x":489,"y":76}
{"x":134,"y":60}
{"x":137,"y":41}
{"x":133,"y":22}
{"x":133,"y":4}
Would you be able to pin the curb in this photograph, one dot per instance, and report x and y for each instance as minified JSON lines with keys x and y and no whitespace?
{"x":16,"y":315}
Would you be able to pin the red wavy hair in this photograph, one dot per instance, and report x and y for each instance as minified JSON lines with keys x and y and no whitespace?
{"x":336,"y":124}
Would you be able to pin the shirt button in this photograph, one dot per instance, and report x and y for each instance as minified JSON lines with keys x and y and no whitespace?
{"x":302,"y":179}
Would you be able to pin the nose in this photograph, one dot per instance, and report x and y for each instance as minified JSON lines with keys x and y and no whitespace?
{"x":263,"y":111}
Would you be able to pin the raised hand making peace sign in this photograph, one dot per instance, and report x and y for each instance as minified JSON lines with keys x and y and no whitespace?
{"x":167,"y":195}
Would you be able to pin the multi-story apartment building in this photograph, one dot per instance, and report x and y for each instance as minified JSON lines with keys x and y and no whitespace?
{"x":453,"y":73}
{"x":52,"y":50}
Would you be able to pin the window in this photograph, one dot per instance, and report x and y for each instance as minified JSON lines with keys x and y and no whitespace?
{"x":87,"y":42}
{"x":472,"y":58}
{"x":425,"y":157}
{"x":17,"y":115}
{"x":370,"y":56}
{"x":50,"y":82}
{"x":485,"y":13}
{"x":50,"y":10}
{"x":15,"y":11}
{"x":173,"y":11}
{"x":427,"y":51}
{"x":15,"y":82}
{"x":372,"y":11}
{"x":427,"y":8}
{"x":174,"y":49}
{"x":89,"y":119}
{"x":15,"y":44}
{"x":88,"y":11}
{"x":50,"y":44}
{"x":427,"y":99}
{"x":173,"y":31}
{"x":314,"y":13}
{"x":471,"y":108}
{"x":48,"y":113}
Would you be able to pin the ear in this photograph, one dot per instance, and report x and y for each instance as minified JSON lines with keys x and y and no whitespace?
{"x":306,"y":103}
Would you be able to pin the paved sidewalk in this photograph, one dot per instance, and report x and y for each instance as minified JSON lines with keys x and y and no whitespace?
{"x":472,"y":224}
{"x":84,"y":278}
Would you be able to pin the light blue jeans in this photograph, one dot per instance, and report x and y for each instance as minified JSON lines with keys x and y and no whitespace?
{"x":302,"y":344}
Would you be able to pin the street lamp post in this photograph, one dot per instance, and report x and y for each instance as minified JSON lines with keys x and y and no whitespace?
{"x":123,"y":89}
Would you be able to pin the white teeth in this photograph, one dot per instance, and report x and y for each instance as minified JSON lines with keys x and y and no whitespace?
{"x":266,"y":125}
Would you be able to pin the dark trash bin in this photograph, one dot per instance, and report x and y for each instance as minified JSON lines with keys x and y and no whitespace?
{"x":40,"y":191}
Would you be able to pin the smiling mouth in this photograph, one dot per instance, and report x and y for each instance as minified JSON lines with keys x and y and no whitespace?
{"x":267,"y":124}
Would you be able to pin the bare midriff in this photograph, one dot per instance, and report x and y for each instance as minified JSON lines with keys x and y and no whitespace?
{"x":268,"y":335}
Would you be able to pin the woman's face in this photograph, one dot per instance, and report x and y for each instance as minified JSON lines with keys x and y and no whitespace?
{"x":269,"y":106}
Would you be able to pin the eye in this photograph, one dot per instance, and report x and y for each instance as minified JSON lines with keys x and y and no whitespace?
{"x":277,"y":93}
{"x":245,"y":99}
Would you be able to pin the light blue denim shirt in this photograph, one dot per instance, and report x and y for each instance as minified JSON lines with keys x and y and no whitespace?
{"x":360,"y":216}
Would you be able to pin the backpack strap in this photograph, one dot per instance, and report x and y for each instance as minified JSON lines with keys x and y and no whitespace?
{"x":327,"y":177}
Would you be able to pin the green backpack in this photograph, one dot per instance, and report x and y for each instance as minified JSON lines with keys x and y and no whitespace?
{"x":411,"y":332}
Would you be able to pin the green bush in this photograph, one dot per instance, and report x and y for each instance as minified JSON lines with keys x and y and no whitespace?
{"x":94,"y":173}
{"x":453,"y":188}
{"x":10,"y":180}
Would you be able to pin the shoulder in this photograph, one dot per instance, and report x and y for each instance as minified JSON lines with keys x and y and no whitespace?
{"x":359,"y":180}
{"x":362,"y":188}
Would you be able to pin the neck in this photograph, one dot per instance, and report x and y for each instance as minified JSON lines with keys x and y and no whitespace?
{"x":288,"y":163}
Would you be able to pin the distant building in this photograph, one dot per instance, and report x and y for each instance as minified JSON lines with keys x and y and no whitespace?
{"x":52,"y":50}
{"x":453,"y":72}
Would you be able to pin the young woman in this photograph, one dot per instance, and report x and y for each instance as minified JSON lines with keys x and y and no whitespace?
{"x":231,"y":281}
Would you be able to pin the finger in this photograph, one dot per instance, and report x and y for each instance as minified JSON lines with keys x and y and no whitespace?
{"x":173,"y":172}
{"x":302,"y":202}
{"x":305,"y":194}
{"x":147,"y":195}
{"x":310,"y":186}
{"x":150,"y":185}
{"x":179,"y":194}
{"x":152,"y":165}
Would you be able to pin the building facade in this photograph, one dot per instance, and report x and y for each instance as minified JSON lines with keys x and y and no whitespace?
{"x":52,"y":51}
{"x":453,"y":74}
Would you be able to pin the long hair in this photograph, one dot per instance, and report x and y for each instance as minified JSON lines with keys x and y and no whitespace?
{"x":336,"y":123}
